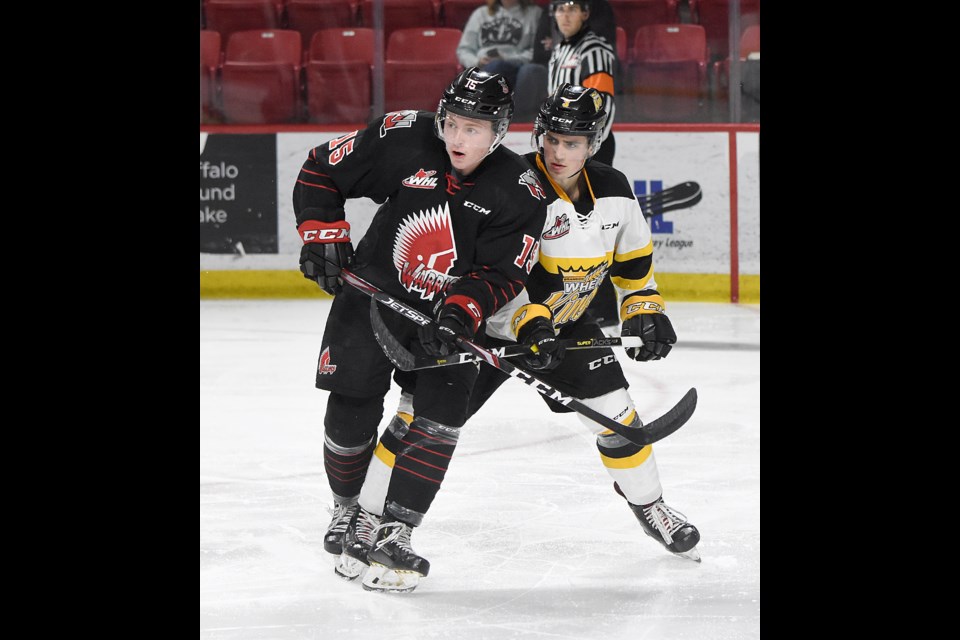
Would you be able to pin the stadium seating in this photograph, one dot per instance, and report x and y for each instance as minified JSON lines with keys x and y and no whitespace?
{"x":457,"y":12}
{"x":420,"y":64}
{"x":230,"y":16}
{"x":714,"y":17}
{"x":210,"y":59}
{"x":309,"y":16}
{"x":749,"y":79}
{"x":631,"y":14}
{"x":669,"y":72}
{"x":400,"y":14}
{"x":260,"y":79}
{"x":339,"y":75}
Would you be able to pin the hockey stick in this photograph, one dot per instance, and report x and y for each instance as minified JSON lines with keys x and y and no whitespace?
{"x":656,"y":430}
{"x":648,"y":434}
{"x":414,"y":363}
{"x":681,"y":196}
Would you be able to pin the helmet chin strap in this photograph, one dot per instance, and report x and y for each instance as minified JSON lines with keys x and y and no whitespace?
{"x":577,"y":172}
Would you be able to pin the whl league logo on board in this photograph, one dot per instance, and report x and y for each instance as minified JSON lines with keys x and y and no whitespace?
{"x":657,"y":224}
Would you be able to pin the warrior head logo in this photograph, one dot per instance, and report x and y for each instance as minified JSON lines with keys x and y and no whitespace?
{"x":425,"y":251}
{"x":397,"y":120}
{"x":324,"y":367}
{"x":529,"y":180}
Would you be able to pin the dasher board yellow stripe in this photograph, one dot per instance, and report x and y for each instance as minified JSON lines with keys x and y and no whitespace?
{"x":675,"y":287}
{"x":257,"y":284}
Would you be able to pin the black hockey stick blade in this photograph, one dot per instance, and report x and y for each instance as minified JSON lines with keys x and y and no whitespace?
{"x":399,"y":355}
{"x":674,"y":418}
{"x":660,"y":428}
{"x":681,"y":196}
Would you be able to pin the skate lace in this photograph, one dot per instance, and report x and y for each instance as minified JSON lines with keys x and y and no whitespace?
{"x":665,"y":519}
{"x":341,"y":515}
{"x":367,"y":524}
{"x":400,"y":535}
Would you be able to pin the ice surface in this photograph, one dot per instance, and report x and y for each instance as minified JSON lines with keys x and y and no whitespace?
{"x":526,"y":539}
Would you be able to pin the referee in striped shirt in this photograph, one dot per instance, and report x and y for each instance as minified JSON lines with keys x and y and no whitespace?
{"x":583,"y":58}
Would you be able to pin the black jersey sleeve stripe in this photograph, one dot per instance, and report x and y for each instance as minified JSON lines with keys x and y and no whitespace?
{"x":317,"y":186}
{"x":635,"y":269}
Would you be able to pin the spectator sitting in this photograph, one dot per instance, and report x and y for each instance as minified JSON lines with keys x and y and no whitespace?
{"x":498,"y":38}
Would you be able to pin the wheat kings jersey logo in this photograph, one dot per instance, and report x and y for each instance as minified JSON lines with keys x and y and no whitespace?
{"x":424,"y":252}
{"x":579,"y":287}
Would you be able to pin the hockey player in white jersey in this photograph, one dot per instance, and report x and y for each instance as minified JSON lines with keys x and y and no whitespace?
{"x":594,"y":230}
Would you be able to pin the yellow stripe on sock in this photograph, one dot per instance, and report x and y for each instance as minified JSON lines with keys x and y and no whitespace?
{"x":630,"y":462}
{"x":385,"y":456}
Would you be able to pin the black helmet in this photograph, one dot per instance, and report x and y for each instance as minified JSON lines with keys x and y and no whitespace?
{"x":481,"y":95}
{"x":584,"y":4}
{"x":573,"y":111}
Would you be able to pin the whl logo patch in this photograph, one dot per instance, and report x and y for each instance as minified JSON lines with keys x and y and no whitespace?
{"x":560,"y":228}
{"x":325,"y":367}
{"x":422,"y":179}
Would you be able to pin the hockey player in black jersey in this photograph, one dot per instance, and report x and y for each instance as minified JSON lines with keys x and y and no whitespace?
{"x":454,"y":237}
{"x":594,"y":230}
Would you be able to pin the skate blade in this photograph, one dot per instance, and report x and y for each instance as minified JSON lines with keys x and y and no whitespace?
{"x":380,"y":578}
{"x":692,"y":554}
{"x":348,"y":567}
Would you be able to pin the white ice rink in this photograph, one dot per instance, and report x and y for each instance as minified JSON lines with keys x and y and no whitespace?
{"x":526,"y":539}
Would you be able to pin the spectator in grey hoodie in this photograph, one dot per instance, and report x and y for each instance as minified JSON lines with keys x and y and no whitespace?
{"x":498,"y":37}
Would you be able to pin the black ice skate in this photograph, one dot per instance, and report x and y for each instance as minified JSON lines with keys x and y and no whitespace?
{"x":394,"y":565}
{"x":333,"y":538}
{"x":667,"y":526}
{"x":357,"y":542}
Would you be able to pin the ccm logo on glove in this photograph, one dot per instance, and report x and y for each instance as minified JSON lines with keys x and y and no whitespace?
{"x":643,"y":306}
{"x":316,"y":231}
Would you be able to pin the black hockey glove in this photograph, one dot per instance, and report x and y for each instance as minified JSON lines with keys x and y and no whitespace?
{"x":539,"y":334}
{"x":440,"y":339}
{"x":644,"y":317}
{"x":326,"y":249}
